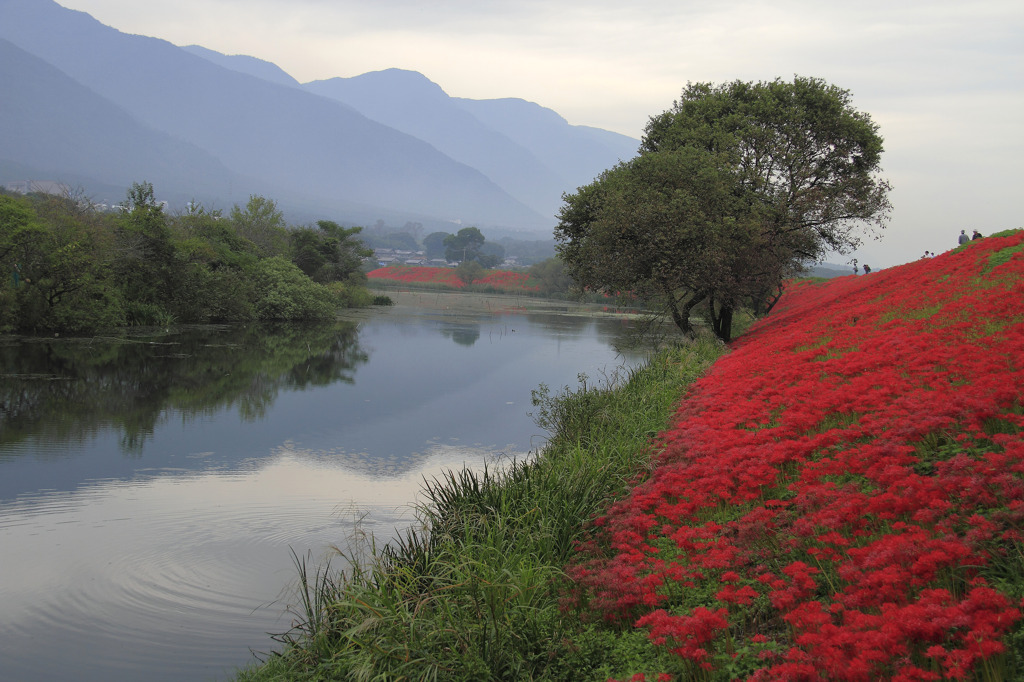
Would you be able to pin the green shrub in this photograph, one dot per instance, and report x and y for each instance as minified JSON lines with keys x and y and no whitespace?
{"x":142,"y":314}
{"x":94,"y":306}
{"x":350,"y":294}
{"x":285,"y":293}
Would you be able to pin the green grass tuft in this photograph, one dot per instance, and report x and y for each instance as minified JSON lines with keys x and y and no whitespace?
{"x":473,"y":591}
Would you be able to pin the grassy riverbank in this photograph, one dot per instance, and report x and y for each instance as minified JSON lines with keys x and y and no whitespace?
{"x":478,"y":597}
{"x":840,"y":497}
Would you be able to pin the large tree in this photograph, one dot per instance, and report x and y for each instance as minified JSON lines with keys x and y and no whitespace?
{"x":331,"y":253}
{"x":146,"y":252}
{"x":262,"y":223}
{"x":468,"y":244}
{"x":735,"y":188}
{"x":433,"y":243}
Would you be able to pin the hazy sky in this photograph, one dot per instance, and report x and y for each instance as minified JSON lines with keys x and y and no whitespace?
{"x":944,"y":79}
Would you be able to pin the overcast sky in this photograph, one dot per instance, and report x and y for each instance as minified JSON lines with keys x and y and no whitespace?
{"x":944,"y":79}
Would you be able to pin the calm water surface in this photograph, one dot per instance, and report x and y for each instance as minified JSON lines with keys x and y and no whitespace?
{"x":153,"y":487}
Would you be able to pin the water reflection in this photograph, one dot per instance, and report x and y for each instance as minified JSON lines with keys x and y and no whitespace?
{"x":152,"y":486}
{"x":175,"y":578}
{"x":462,"y":334}
{"x":68,"y":390}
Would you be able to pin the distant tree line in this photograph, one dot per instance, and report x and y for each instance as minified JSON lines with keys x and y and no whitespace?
{"x":493,"y":251}
{"x":470,"y":250}
{"x":69,"y":267}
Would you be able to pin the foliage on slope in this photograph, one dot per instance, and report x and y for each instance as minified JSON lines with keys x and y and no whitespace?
{"x":842,"y":497}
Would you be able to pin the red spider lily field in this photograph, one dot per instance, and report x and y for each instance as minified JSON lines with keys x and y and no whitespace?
{"x":506,"y":280}
{"x":842,"y":496}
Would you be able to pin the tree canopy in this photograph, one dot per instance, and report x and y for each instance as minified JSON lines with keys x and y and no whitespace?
{"x":550,"y":277}
{"x":734,"y":189}
{"x":330,"y":253}
{"x":263,"y":224}
{"x":67,"y":266}
{"x":433,"y":243}
{"x":469,"y":244}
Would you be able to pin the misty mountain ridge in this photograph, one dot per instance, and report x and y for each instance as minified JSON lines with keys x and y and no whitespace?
{"x":241,"y":63}
{"x":388,"y":145}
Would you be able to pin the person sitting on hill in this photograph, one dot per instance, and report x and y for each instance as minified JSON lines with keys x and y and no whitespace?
{"x":963,"y":238}
{"x":977,"y":235}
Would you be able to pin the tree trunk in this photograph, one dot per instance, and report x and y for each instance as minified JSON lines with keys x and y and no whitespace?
{"x":724,"y":330}
{"x":721,"y":321}
{"x":681,"y":314}
{"x":764,"y":300}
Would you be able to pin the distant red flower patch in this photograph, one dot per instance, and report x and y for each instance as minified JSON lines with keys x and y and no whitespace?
{"x":507,"y":279}
{"x":418,"y":274}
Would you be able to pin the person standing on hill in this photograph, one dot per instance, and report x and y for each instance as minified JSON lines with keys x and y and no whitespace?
{"x":963,"y":238}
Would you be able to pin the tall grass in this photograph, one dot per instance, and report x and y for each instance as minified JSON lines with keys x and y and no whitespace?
{"x":472,"y":592}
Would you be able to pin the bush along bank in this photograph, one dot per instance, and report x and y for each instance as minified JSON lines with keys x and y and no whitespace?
{"x":842,"y":497}
{"x":474,"y":594}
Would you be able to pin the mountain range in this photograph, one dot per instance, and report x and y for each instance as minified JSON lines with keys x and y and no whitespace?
{"x":88,"y":105}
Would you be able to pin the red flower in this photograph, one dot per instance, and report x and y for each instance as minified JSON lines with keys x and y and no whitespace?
{"x":858,"y":457}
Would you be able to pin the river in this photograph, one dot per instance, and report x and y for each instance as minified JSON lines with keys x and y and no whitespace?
{"x":154,"y":486}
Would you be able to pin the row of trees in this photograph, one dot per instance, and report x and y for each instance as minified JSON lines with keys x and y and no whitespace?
{"x":527,"y":252}
{"x":734,"y":189}
{"x":468,"y":244}
{"x":70,"y":267}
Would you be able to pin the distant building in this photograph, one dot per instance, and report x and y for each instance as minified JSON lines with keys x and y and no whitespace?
{"x":38,"y":187}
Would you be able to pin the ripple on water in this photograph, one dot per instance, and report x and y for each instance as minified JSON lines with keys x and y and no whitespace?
{"x":156,"y":578}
